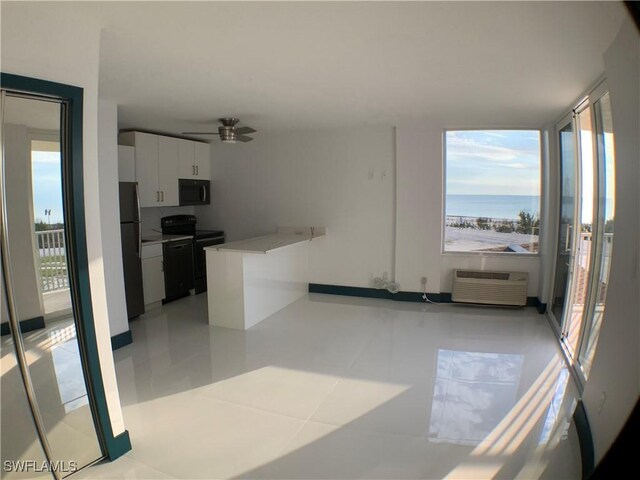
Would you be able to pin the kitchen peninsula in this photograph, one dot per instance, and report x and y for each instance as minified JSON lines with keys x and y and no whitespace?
{"x":249,"y":280}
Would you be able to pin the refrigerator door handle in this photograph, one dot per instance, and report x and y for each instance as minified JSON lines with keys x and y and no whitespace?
{"x":139,"y":222}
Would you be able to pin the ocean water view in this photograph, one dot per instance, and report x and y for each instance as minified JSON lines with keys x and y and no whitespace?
{"x":491,"y":206}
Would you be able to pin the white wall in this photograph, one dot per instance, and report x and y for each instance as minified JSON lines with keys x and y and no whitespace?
{"x":378,"y":190}
{"x":343,"y":180}
{"x":70,"y":56}
{"x":616,"y":366}
{"x":418,"y":207}
{"x":19,"y":195}
{"x":110,"y":217}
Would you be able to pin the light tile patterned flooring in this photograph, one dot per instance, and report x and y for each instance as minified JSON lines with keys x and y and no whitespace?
{"x":336,"y":387}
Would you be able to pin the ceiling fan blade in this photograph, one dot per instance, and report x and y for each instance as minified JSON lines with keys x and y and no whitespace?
{"x":200,"y":133}
{"x":243,"y":138}
{"x":244,"y":130}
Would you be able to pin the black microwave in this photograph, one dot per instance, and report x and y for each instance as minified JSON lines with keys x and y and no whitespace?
{"x":194,"y":192}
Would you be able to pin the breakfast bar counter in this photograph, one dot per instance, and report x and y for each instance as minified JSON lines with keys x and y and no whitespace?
{"x":250,"y":280}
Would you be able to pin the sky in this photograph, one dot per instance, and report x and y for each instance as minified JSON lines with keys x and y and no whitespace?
{"x":493,"y":162}
{"x":47,"y":185}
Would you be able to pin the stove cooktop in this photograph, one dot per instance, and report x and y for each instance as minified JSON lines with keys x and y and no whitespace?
{"x":209,"y":233}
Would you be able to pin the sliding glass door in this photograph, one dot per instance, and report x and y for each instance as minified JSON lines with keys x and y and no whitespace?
{"x":567,"y":216}
{"x":604,"y":214}
{"x":574,"y":314}
{"x":585,"y":226}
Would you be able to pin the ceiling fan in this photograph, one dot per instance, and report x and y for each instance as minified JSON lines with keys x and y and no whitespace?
{"x":228,"y":131}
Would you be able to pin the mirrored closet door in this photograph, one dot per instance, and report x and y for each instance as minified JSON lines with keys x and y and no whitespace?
{"x":47,"y":416}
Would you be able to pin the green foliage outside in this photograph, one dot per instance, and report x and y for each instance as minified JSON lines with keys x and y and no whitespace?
{"x":527,"y":223}
{"x":41,"y":225}
{"x":483,"y":223}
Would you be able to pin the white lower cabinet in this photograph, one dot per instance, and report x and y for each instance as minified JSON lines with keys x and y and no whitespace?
{"x":152,"y":273}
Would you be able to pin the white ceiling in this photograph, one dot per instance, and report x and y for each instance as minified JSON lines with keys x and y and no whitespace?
{"x":180,"y":65}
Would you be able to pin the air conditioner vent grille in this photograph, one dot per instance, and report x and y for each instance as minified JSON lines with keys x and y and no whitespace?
{"x":487,"y":275}
{"x":491,"y":288}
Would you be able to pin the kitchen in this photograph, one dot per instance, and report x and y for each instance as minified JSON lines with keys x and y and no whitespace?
{"x":165,"y":255}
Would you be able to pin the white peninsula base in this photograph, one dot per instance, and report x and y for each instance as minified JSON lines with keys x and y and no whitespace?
{"x":249,"y":280}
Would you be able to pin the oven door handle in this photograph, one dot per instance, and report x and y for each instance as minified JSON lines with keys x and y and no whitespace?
{"x":204,"y":193}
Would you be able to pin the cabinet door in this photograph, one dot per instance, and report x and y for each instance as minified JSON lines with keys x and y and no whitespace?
{"x":186,"y":159}
{"x":152,"y":279}
{"x":168,"y":171}
{"x":146,"y":154}
{"x":203,"y":161}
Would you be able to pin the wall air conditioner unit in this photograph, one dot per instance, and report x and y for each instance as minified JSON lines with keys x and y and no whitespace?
{"x":491,"y":288}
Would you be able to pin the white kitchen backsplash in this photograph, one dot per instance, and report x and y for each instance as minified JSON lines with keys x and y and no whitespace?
{"x":151,"y":217}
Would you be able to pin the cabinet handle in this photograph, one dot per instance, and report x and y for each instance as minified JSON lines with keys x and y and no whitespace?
{"x":197,"y":171}
{"x":193,"y":169}
{"x":157,"y":196}
{"x":162,"y":195}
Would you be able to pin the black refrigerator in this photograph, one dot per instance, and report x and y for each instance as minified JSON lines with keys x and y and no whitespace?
{"x":130,"y":233}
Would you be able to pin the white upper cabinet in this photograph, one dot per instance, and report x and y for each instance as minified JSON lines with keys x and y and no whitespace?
{"x":168,"y":171}
{"x":202,"y":161}
{"x":186,"y":159}
{"x":146,"y":155}
{"x":193,"y":160}
{"x":156,"y":167}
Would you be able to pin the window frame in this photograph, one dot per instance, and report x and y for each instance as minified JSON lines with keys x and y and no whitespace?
{"x":543,"y":143}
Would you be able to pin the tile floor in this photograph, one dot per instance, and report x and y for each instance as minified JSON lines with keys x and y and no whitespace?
{"x":336,"y":387}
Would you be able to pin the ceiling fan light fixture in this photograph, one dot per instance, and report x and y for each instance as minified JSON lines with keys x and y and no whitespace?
{"x":227,"y":135}
{"x":228,"y":132}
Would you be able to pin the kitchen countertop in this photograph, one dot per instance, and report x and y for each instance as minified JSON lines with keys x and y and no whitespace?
{"x":160,"y":238}
{"x":265,"y":243}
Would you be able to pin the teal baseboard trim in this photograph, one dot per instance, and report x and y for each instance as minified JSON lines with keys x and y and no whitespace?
{"x":442,"y":297}
{"x":119,"y":445}
{"x":373,"y":293}
{"x":28,"y":325}
{"x":539,"y":306}
{"x":121,"y":339}
{"x":585,"y":439}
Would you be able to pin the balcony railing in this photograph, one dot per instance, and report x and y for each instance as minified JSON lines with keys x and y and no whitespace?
{"x":53,"y":260}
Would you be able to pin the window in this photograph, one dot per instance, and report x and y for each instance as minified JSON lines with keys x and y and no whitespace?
{"x":492,"y":191}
